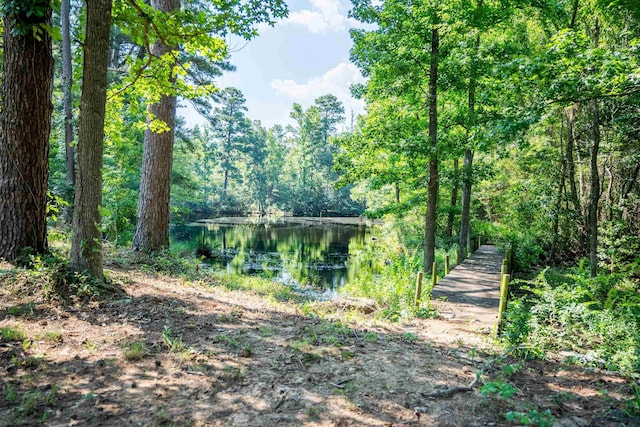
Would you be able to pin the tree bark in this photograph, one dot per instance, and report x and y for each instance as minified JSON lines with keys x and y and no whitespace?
{"x":454,"y":201}
{"x":560,"y":197}
{"x":152,"y":224}
{"x":464,"y":240}
{"x":86,"y":244}
{"x":594,"y":195}
{"x":432,"y":199}
{"x":67,"y":89}
{"x":571,"y":167}
{"x":25,"y":121}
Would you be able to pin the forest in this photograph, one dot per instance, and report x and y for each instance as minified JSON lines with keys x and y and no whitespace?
{"x":515,"y":123}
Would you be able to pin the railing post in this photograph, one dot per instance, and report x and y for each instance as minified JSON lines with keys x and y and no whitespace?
{"x":418,"y":288}
{"x":447,"y":266}
{"x":504,"y":292}
{"x":434,"y":275}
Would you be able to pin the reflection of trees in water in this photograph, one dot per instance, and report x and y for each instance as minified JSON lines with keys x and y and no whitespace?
{"x":311,"y":255}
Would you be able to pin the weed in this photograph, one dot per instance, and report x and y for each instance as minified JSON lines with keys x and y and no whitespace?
{"x":313,"y":413}
{"x":135,"y":351}
{"x":54,"y":337}
{"x":266,"y":331}
{"x":631,"y":407}
{"x":247,"y":351}
{"x":28,"y":362}
{"x":500,"y":388}
{"x":22,"y":310}
{"x":163,"y":417}
{"x":174,"y":344}
{"x":50,"y":395}
{"x":347,"y":355}
{"x":8,"y":333}
{"x":232,"y":373}
{"x":371,"y":337}
{"x":9,"y":393}
{"x":310,"y":358}
{"x":409,"y":337}
{"x":227,"y":341}
{"x":511,"y":369}
{"x":91,"y":346}
{"x":531,"y":418}
{"x":29,"y":403}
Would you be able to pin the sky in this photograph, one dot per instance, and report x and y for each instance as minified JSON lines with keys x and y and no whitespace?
{"x":299,"y":59}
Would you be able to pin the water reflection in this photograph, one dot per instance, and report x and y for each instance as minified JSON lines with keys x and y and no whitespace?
{"x":307,"y":254}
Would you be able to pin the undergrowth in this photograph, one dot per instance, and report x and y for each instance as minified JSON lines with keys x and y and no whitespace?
{"x":597,"y":321}
{"x":391,"y":281}
{"x":48,"y":276}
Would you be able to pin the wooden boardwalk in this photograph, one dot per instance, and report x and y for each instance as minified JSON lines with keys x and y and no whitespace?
{"x":471,"y":291}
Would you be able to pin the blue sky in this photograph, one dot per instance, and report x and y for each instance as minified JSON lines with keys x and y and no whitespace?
{"x":302,"y":57}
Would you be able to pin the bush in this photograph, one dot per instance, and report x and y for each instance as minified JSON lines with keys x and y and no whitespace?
{"x":597,"y":319}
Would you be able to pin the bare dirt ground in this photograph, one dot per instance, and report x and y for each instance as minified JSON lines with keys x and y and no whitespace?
{"x":214,"y":357}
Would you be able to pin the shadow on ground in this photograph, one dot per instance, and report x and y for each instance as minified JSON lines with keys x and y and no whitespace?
{"x":216,"y":357}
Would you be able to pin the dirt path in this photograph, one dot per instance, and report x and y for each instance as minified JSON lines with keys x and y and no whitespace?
{"x":471,"y":291}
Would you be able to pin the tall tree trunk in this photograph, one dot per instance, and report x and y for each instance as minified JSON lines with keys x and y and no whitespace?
{"x":454,"y":201}
{"x":67,"y":89}
{"x":594,"y":195}
{"x":432,"y":199}
{"x":25,"y":121}
{"x":152,"y":224}
{"x":464,"y":240}
{"x":86,"y":244}
{"x":571,"y":167}
{"x":560,"y":197}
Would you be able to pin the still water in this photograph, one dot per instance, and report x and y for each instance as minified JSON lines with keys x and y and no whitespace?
{"x":317,"y":255}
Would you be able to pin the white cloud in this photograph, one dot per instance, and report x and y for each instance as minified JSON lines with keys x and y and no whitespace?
{"x":335,"y":81}
{"x":324,"y":16}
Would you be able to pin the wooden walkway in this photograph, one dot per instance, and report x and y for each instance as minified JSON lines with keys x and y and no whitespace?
{"x":471,"y":291}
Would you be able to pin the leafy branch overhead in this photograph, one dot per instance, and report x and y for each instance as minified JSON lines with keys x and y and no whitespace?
{"x":197,"y":34}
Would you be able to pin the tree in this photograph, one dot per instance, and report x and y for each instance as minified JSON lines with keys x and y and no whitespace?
{"x":86,"y":244}
{"x":67,"y":88}
{"x":152,"y":223}
{"x":198,"y":30}
{"x":404,"y":73}
{"x":231,"y":128}
{"x":25,"y":123}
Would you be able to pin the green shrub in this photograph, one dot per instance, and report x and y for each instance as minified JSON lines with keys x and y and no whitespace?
{"x":598,"y":319}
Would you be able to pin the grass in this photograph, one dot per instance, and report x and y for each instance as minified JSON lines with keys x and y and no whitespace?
{"x":135,"y":351}
{"x":53,"y":337}
{"x":8,"y":334}
{"x":174,"y":344}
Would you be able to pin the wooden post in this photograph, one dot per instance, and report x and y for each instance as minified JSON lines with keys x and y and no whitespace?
{"x":504,"y":292}
{"x":479,"y":241}
{"x":503,"y":271}
{"x":418,"y":288}
{"x":447,"y":266}
{"x":434,"y":275}
{"x":457,"y":258}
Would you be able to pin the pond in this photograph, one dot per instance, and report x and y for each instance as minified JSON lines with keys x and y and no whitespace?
{"x":316,"y":255}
